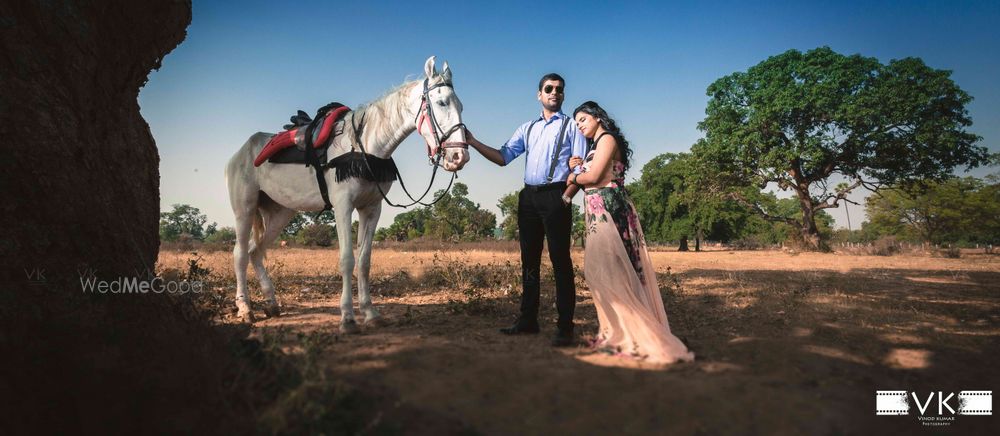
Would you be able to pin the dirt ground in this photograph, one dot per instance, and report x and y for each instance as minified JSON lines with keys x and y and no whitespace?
{"x":785,"y":343}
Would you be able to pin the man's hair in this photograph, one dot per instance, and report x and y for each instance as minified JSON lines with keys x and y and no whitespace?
{"x":550,"y":76}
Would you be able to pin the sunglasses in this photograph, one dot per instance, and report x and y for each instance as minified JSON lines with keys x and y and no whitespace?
{"x":549,"y":88}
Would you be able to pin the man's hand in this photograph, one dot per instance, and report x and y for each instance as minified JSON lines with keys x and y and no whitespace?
{"x":469,"y":137}
{"x":488,"y":152}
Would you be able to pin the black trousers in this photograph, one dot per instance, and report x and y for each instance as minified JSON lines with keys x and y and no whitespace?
{"x":542,"y":216}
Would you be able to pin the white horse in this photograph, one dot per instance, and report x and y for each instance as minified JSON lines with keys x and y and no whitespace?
{"x":266,"y":198}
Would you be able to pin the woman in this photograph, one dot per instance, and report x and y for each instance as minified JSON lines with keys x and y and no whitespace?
{"x":617,"y":267}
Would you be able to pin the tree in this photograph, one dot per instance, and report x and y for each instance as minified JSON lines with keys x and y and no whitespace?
{"x":508,"y":208}
{"x":322,"y":235}
{"x":405,"y":226}
{"x":578,"y":233}
{"x":182,"y":220}
{"x":799,"y":119}
{"x":225,"y":235}
{"x":656,"y":197}
{"x":303,"y":219}
{"x":958,"y":210}
{"x":673,"y":205}
{"x":453,"y":217}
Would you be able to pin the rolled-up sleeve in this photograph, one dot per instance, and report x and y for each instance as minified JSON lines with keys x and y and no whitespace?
{"x":514,"y":147}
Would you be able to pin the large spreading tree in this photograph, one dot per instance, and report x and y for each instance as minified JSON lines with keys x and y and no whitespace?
{"x":804,"y":121}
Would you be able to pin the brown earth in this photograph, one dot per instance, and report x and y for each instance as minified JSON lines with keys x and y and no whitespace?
{"x":784,"y":342}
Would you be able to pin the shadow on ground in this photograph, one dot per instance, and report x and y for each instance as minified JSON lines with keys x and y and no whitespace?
{"x":777,"y":352}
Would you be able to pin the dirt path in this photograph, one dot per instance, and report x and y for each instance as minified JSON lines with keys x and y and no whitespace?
{"x":784,"y":343}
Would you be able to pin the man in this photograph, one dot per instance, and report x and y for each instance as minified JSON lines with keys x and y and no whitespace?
{"x":544,"y":210}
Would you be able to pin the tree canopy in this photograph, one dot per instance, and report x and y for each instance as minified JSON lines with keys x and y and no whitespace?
{"x":802,"y":121}
{"x":183,"y":219}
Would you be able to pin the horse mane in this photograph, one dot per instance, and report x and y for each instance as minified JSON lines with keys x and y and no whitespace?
{"x":384,"y":115}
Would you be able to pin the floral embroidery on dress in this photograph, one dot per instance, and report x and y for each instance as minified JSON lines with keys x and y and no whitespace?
{"x":612,"y":201}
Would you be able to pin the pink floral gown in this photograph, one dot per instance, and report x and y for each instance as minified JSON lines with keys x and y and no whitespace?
{"x":621,"y":279}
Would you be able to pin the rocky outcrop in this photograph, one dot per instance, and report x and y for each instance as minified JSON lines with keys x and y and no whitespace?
{"x":79,"y":167}
{"x":79,"y":191}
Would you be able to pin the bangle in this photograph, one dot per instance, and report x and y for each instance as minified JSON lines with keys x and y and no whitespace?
{"x":566,"y":199}
{"x":574,"y":180}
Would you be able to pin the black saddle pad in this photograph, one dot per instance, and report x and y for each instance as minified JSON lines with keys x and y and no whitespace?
{"x":292,"y":155}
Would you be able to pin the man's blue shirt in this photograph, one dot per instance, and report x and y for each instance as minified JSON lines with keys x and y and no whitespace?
{"x":541,"y":145}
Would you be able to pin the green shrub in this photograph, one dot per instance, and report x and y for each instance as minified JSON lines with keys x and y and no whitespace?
{"x":321,"y":235}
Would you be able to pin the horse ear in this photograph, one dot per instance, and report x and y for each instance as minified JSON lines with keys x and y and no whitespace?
{"x":446,"y":71}
{"x":429,"y":70}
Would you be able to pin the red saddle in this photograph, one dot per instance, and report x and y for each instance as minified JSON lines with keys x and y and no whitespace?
{"x":290,"y":137}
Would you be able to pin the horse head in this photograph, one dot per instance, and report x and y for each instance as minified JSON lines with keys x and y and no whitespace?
{"x":439,"y":117}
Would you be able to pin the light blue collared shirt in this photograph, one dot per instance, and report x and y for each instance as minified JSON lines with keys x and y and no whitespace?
{"x":541,"y":145}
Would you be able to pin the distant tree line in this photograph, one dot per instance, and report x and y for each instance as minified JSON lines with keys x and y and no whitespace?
{"x":185,"y":223}
{"x":452,"y":218}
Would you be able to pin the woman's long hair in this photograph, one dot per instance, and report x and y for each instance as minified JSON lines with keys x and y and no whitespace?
{"x":595,"y":110}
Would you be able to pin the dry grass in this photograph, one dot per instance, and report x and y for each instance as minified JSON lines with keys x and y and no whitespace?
{"x":784,"y":342}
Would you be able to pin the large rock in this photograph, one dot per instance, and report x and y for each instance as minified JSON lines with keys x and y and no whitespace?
{"x":79,"y":190}
{"x":80,"y":179}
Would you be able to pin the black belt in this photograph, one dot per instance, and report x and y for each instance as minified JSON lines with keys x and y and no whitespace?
{"x":545,"y":187}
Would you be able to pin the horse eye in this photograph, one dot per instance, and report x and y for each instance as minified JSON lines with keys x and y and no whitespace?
{"x":442,"y":103}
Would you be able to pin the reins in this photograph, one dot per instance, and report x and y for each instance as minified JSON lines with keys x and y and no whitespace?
{"x":425,"y":114}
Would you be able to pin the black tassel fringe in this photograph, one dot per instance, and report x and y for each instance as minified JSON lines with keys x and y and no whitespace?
{"x":353,"y":165}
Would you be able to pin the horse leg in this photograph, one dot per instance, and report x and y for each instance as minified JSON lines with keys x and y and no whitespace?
{"x":367,"y":220}
{"x":343,"y":217}
{"x":241,"y":258}
{"x":275,"y":217}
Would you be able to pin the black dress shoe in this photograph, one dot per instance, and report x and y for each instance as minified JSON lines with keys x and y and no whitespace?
{"x":521,"y":328}
{"x":563,"y":339}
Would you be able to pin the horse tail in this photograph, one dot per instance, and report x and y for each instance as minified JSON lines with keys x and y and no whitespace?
{"x":258,"y":233}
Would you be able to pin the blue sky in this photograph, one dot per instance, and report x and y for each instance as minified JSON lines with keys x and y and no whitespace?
{"x":246,"y":66}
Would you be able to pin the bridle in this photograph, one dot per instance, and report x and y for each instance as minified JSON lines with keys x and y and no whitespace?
{"x":424,"y":115}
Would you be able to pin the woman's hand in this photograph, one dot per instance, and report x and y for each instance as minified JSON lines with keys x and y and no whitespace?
{"x":575,"y":161}
{"x":572,"y":180}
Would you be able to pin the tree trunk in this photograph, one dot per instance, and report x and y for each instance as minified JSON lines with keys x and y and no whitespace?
{"x":684,"y":244}
{"x":809,"y":232}
{"x":697,"y":241}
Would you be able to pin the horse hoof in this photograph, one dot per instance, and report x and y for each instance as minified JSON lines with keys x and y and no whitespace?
{"x":374,"y":322}
{"x":350,"y":327}
{"x":246,"y":316}
{"x":272,"y":311}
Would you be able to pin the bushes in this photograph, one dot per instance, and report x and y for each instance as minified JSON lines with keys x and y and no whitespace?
{"x":225,"y":235}
{"x":321,"y":235}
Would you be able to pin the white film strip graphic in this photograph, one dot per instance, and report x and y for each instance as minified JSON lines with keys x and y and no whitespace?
{"x":891,"y":403}
{"x":975,"y":403}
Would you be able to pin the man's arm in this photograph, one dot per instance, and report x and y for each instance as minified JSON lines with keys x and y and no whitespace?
{"x":579,"y":148}
{"x":571,"y":190}
{"x":488,"y":152}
